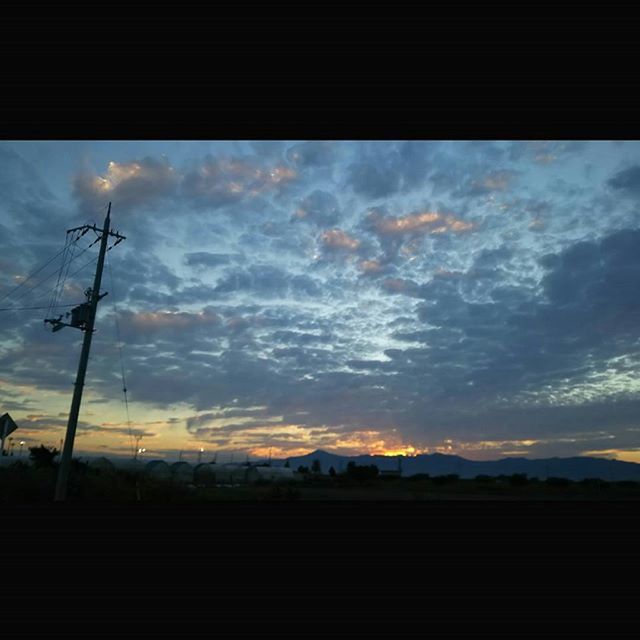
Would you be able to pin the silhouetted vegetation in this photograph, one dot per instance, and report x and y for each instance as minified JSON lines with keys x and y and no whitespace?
{"x":595,"y":483}
{"x":518,"y":480}
{"x":449,"y":478}
{"x":43,"y":456}
{"x":361,"y":472}
{"x":316,"y":467}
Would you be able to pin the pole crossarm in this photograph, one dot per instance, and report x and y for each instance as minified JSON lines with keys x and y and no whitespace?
{"x":98,"y":230}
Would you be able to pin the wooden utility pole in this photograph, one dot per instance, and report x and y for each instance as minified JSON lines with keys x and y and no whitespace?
{"x":84,"y":320}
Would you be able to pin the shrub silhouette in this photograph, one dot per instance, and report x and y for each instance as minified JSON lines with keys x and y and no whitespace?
{"x":362,"y":472}
{"x":43,"y":456}
{"x":518,"y":480}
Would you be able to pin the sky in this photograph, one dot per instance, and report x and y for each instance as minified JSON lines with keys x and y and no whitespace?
{"x":479,"y":298}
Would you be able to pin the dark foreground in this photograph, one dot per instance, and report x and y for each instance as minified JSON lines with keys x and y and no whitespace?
{"x":25,"y":484}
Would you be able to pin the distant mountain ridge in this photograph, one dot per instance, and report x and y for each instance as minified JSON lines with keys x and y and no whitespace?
{"x":435,"y":464}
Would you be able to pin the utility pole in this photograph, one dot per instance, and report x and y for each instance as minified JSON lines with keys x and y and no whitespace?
{"x":83,"y":318}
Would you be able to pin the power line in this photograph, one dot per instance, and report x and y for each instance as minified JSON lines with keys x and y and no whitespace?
{"x":34,"y":273}
{"x":57,"y":306}
{"x":84,"y":228}
{"x":59,"y":286}
{"x":23,"y":294}
{"x":119,"y":343}
{"x":86,"y":264}
{"x":52,"y":300}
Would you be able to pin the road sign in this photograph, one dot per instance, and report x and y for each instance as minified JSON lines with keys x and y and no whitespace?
{"x":7,"y":425}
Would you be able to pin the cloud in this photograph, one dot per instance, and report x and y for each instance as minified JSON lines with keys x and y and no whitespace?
{"x":545,"y":152}
{"x":319,"y":207}
{"x":400,"y":285}
{"x":205,"y":259}
{"x":159,"y":321}
{"x":213,"y":181}
{"x":138,"y":183}
{"x":217,"y":182}
{"x":312,"y":154}
{"x":387,"y":168}
{"x":441,"y":317}
{"x":338,"y":240}
{"x":400,"y":237}
{"x":373,"y":182}
{"x":267,"y":280}
{"x":491,"y":182}
{"x":422,"y":222}
{"x":372,"y":267}
{"x":627,"y":181}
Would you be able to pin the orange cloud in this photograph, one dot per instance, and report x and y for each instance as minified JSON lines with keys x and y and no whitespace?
{"x":425,"y":222}
{"x":173,"y":320}
{"x":370,"y":266}
{"x":338,"y":239}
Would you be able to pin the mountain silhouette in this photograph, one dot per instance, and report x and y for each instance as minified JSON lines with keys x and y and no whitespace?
{"x":435,"y":464}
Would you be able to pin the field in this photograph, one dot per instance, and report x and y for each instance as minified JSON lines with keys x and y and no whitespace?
{"x":22,"y":483}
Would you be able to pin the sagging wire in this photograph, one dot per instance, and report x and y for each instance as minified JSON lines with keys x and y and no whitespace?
{"x":119,"y":344}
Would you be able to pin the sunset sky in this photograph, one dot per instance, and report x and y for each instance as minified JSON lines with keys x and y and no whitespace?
{"x":479,"y":298}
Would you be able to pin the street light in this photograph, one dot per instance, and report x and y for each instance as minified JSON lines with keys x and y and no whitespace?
{"x":200,"y":455}
{"x":21,"y":445}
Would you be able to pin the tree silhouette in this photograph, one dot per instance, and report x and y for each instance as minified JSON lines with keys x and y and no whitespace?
{"x":362,"y":472}
{"x":315,"y":467}
{"x":43,"y":456}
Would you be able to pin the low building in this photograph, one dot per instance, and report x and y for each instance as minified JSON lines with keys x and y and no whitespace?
{"x":158,"y":469}
{"x":182,"y":472}
{"x":131,"y":465}
{"x":272,"y":474}
{"x":204,"y":474}
{"x":101,"y":464}
{"x":230,"y":474}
